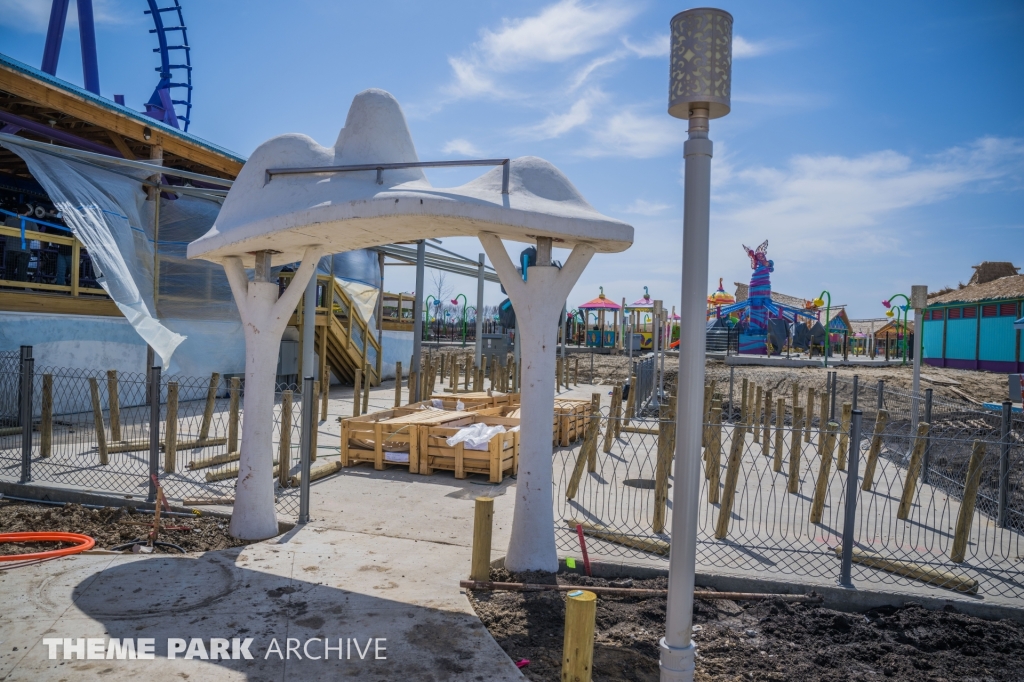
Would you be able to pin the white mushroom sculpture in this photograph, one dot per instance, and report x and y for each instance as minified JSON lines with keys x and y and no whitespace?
{"x":292,"y":202}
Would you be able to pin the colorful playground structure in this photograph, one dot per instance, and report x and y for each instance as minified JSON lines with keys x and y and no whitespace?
{"x":599,"y":335}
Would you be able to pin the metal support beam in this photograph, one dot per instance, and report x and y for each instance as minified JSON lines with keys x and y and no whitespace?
{"x":87,"y":37}
{"x":54,"y":36}
{"x":479,"y":346}
{"x":417,"y":317}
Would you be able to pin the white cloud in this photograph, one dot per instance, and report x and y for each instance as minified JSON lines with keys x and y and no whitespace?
{"x":560,"y":32}
{"x":33,"y":16}
{"x":461,"y":147}
{"x":647,"y":208}
{"x":655,"y":46}
{"x":583,"y":74}
{"x":742,"y":48}
{"x":819,"y":202}
{"x":557,"y":125}
{"x":630,"y":134}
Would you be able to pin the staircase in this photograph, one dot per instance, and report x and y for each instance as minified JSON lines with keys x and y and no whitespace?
{"x":344,"y":341}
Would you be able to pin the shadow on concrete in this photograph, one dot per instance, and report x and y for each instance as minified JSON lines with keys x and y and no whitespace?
{"x":212,"y":596}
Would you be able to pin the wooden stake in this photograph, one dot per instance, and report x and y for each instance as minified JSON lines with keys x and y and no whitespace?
{"x":366,"y":390}
{"x":211,"y":403}
{"x":617,"y":409}
{"x":823,"y":417}
{"x":712,"y":453}
{"x":794,"y":451}
{"x":630,"y":399}
{"x":766,"y":438}
{"x":743,"y":402}
{"x":236,"y":386}
{"x":588,"y":451}
{"x":411,"y":382}
{"x":576,"y":371}
{"x":963,"y":519}
{"x":398,"y":384}
{"x":46,"y":421}
{"x":578,"y":644}
{"x":609,"y":434}
{"x":780,"y":422}
{"x":356,"y":390}
{"x":325,"y":393}
{"x":809,"y":414}
{"x":732,"y":474}
{"x":666,"y":449}
{"x":483,"y":520}
{"x":97,"y":417}
{"x":652,"y":545}
{"x":913,"y":471}
{"x":171,"y":429}
{"x":709,"y":393}
{"x":755,"y":418}
{"x":881,"y":420}
{"x":284,"y":452}
{"x":844,"y":435}
{"x":932,"y":576}
{"x":114,"y":404}
{"x":824,"y":469}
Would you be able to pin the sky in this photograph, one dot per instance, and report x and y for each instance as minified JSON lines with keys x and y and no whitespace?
{"x":874,"y":146}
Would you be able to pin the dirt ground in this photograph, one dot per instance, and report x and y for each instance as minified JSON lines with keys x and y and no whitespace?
{"x":613,"y":369}
{"x":109,"y":527}
{"x":765,"y":640}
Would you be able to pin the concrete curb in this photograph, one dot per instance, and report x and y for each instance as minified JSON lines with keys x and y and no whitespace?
{"x":840,"y":598}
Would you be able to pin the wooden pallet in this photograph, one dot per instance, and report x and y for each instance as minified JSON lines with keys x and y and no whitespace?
{"x":500,"y":459}
{"x":372,"y":437}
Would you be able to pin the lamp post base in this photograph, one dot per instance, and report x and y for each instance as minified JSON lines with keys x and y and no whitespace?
{"x":677,"y":664}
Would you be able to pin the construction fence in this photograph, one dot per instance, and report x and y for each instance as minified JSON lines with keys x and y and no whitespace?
{"x":90,"y":431}
{"x":937,"y":502}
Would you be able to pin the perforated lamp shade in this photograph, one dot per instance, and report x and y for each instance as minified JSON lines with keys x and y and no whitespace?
{"x":700,"y":73}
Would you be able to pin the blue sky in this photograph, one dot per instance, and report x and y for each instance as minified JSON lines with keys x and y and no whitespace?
{"x":875,"y":145}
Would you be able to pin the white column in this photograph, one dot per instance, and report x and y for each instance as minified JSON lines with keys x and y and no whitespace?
{"x":309,"y":330}
{"x":417,"y":317}
{"x":537,"y":302}
{"x":918,"y":300}
{"x":264,"y":317}
{"x":677,"y":647}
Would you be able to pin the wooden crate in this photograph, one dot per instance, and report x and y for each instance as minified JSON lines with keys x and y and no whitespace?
{"x":571,"y":416}
{"x":473,"y":401}
{"x":500,"y":459}
{"x":370,"y":437}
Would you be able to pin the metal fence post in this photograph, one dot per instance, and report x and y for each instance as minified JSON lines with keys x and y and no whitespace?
{"x":881,"y":394}
{"x":153,"y":383}
{"x":1004,"y":464}
{"x":856,"y":385}
{"x":25,"y":413}
{"x":832,"y":401}
{"x":926,"y":462}
{"x":305,"y":447}
{"x":850,"y":520}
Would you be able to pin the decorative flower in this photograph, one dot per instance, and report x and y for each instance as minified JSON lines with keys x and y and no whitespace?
{"x":818,"y":303}
{"x":889,"y":313}
{"x":886,"y":304}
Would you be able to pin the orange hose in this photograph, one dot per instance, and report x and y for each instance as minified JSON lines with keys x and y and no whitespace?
{"x":83,"y":542}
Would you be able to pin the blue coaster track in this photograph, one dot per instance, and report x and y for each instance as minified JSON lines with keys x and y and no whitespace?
{"x":172,"y":37}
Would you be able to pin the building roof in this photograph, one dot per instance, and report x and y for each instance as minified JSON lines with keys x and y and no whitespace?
{"x":37,"y":100}
{"x":743,"y":291}
{"x":868,"y":326}
{"x":1010,"y":287}
{"x":890,"y":328}
{"x":990,"y":271}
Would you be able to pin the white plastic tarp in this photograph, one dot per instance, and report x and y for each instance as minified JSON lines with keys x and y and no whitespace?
{"x":108,"y":212}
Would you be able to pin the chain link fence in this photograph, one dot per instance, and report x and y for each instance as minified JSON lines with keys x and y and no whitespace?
{"x":91,"y":432}
{"x":941,"y":502}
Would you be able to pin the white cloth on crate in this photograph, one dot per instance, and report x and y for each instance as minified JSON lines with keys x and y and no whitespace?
{"x":475,"y":436}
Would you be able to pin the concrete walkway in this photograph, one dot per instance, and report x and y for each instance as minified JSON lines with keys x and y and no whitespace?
{"x":381,"y":558}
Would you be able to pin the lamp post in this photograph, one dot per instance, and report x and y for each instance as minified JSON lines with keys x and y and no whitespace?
{"x":465,"y":303}
{"x":818,"y":302}
{"x":426,"y":311}
{"x":905,"y":308}
{"x":700,"y":77}
{"x":918,"y":301}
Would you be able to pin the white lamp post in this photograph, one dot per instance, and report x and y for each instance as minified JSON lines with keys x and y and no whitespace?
{"x":699,"y":89}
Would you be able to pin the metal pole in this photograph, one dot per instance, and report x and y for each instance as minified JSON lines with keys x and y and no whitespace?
{"x":154,"y":429}
{"x":565,"y":340}
{"x":1004,"y":465}
{"x":478,"y":348}
{"x":27,"y":379}
{"x":856,"y":386}
{"x":309,"y":326}
{"x":850,"y":520}
{"x":305,"y":446}
{"x":919,"y":300}
{"x":926,"y":465}
{"x":832,"y":402}
{"x":881,"y":394}
{"x":677,"y":647}
{"x":656,"y":347}
{"x":417,"y":318}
